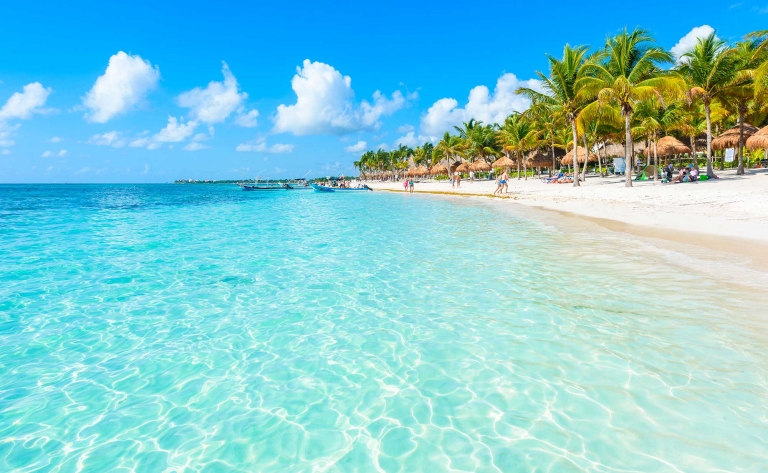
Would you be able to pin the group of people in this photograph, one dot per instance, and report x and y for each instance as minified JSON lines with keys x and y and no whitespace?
{"x":456,"y":179}
{"x":408,"y":185}
{"x":688,"y":173}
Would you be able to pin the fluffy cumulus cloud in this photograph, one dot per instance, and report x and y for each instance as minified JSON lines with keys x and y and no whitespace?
{"x":688,"y":41}
{"x":357,"y":147}
{"x":482,"y":105}
{"x":110,"y":138}
{"x":5,"y":152}
{"x":325,"y":104}
{"x":55,"y":139}
{"x":174,"y":132}
{"x":411,"y":140}
{"x":260,"y":146}
{"x":25,"y":103}
{"x":218,"y":100}
{"x":125,"y":83}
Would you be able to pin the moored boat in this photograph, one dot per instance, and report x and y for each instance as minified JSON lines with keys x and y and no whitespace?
{"x":319,"y":188}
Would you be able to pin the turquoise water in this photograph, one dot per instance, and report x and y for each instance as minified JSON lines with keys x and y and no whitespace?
{"x":201,"y":328}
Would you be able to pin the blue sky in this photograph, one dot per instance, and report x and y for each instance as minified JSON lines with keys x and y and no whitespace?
{"x":156,"y":91}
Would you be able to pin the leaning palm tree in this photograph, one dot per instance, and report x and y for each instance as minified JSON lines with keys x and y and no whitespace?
{"x":709,"y":68}
{"x":449,"y":147}
{"x":627,"y":71}
{"x":518,"y":135}
{"x":761,"y":71}
{"x":560,"y":92}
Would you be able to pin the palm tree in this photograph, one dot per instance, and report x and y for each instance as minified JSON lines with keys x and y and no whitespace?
{"x":761,"y":71}
{"x":626,"y":73}
{"x":709,"y":68}
{"x":560,"y":91}
{"x":653,"y":118}
{"x":449,"y":147}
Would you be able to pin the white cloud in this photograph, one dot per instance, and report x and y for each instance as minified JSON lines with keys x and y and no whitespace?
{"x":146,"y":169}
{"x":175,"y":131}
{"x":217,"y":101}
{"x":195,"y":146}
{"x":247,"y":120}
{"x":83,"y":170}
{"x":6,"y":133}
{"x":482,"y":105}
{"x":405,"y":128}
{"x":124,"y":84}
{"x":55,"y":139}
{"x":383,"y":146}
{"x":260,"y":146}
{"x":24,"y":104}
{"x":325,"y":104}
{"x":48,"y":154}
{"x":411,"y":140}
{"x":357,"y":147}
{"x":5,"y":152}
{"x":688,"y":41}
{"x":110,"y":138}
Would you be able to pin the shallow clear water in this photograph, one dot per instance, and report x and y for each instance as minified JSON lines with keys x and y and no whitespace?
{"x":202,"y":328}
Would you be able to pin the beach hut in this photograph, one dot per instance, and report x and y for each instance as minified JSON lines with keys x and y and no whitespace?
{"x":504,"y":162}
{"x":439,"y":170}
{"x":759,"y":141}
{"x":421,"y":171}
{"x":730,"y":138}
{"x":480,"y":166}
{"x":669,"y":146}
{"x":580,"y":156}
{"x":463,"y":167}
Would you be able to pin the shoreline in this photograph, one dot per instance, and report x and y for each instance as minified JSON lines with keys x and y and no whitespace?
{"x":723,"y":215}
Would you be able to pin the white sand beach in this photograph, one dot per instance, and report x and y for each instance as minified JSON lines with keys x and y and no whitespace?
{"x":732,"y":206}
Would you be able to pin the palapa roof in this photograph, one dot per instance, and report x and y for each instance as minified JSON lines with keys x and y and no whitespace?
{"x":670,"y":145}
{"x":759,"y":140}
{"x":730,"y":138}
{"x":480,"y":165}
{"x":504,"y":162}
{"x":439,"y":169}
{"x":463,"y":167}
{"x":537,"y":159}
{"x":580,"y":155}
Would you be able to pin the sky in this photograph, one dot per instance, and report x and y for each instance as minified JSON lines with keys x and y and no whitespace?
{"x":100,"y":92}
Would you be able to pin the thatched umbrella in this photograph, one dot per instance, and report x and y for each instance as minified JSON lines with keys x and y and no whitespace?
{"x":537,"y":159}
{"x":580,"y":156}
{"x":463,"y":167}
{"x":759,"y":140}
{"x":504,"y":162}
{"x":480,"y":166}
{"x":730,"y":138}
{"x":420,"y":171}
{"x":670,"y":145}
{"x":439,"y":169}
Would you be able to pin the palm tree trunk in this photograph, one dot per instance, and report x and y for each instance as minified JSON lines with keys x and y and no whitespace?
{"x":693,"y":149}
{"x":552,"y":169}
{"x":740,"y":169}
{"x":575,"y":158}
{"x":599,"y":160}
{"x":525,"y":169}
{"x":517,"y":158}
{"x":710,"y":172}
{"x":655,"y":158}
{"x":627,"y":151}
{"x":586,"y":153}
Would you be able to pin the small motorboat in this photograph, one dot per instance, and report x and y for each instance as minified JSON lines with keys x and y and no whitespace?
{"x":264,"y":187}
{"x":319,"y":188}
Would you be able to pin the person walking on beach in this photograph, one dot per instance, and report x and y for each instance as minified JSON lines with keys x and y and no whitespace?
{"x":499,"y":186}
{"x":410,"y":185}
{"x":405,"y":185}
{"x":458,"y":179}
{"x":504,"y":181}
{"x":453,"y":180}
{"x":471,"y":176}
